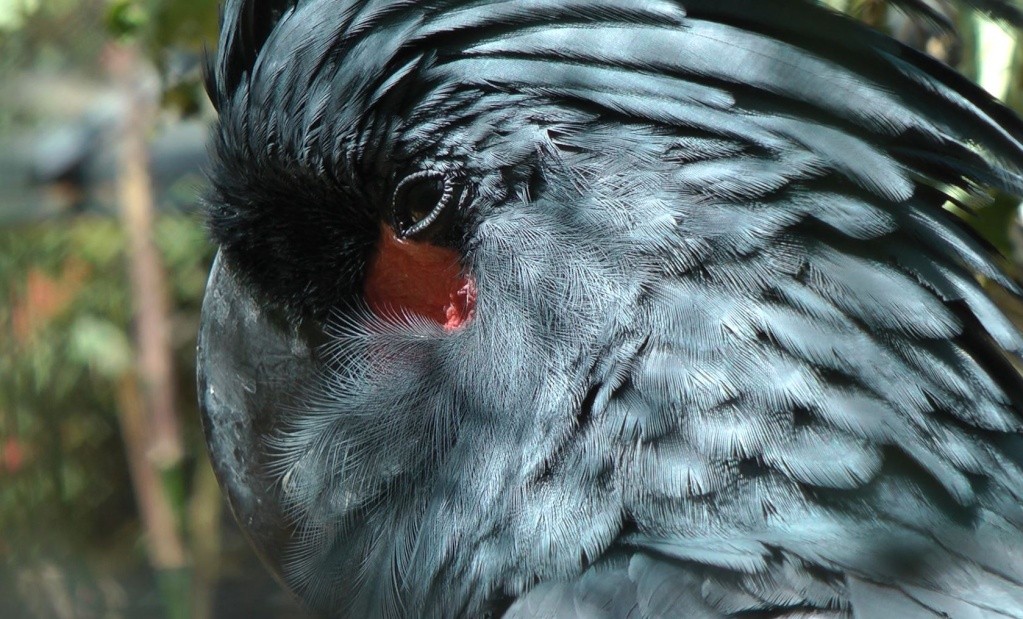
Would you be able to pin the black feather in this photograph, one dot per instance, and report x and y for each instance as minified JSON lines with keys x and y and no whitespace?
{"x":246,"y":24}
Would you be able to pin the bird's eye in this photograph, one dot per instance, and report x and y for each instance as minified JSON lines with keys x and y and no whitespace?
{"x":421,"y":202}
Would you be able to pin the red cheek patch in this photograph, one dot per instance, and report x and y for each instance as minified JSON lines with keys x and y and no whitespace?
{"x":421,"y":279}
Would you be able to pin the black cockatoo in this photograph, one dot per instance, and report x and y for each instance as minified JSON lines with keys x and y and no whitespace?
{"x":611,"y":308}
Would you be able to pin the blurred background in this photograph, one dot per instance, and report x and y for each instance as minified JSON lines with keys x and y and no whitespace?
{"x":108,"y":505}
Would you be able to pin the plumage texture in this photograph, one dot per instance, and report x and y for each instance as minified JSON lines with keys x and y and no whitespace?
{"x":731,"y":354}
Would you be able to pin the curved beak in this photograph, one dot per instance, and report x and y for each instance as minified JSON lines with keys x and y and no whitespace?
{"x":249,"y":360}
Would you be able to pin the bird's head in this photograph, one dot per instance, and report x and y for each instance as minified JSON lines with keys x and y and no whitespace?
{"x":424,"y":262}
{"x":502,"y":284}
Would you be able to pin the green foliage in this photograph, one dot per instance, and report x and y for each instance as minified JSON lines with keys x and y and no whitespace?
{"x":174,"y":34}
{"x":51,"y":34}
{"x":164,"y":24}
{"x":126,"y":18}
{"x":65,"y":351}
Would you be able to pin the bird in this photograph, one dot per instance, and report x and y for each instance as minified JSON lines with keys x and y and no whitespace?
{"x":611,"y":308}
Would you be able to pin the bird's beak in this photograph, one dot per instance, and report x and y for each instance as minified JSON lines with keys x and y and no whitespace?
{"x":248,"y":359}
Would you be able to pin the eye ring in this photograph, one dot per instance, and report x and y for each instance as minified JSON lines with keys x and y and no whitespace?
{"x":421,"y":200}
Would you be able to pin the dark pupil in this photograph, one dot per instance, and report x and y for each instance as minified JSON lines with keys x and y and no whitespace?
{"x":421,"y":198}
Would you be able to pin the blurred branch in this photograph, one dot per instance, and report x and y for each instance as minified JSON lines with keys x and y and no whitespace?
{"x":1014,"y":91}
{"x":204,"y":513}
{"x":873,"y":12}
{"x":153,"y":441}
{"x":145,"y":270}
{"x":970,"y":57}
